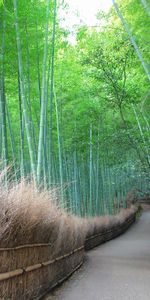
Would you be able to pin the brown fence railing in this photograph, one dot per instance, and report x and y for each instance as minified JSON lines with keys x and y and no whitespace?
{"x":38,"y":274}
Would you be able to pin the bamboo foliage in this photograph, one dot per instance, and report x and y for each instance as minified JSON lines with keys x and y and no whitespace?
{"x":61,"y":146}
{"x":125,"y":25}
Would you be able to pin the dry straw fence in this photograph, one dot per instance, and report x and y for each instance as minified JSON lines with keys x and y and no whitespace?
{"x":31,"y":281}
{"x":41,"y":246}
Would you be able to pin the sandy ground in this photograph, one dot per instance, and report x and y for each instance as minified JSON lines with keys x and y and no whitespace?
{"x":117,"y":270}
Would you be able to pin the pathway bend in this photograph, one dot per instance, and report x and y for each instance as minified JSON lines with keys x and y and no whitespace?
{"x":117,"y":270}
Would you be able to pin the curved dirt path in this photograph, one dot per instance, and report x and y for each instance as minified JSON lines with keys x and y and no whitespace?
{"x":117,"y":270}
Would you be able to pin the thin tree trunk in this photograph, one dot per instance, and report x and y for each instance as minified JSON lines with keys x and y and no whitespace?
{"x":97,"y":175}
{"x":3,"y":97}
{"x":43,"y":101}
{"x":125,"y":25}
{"x":21,"y":150}
{"x":131,"y":140}
{"x":142,"y":135}
{"x":59,"y":148}
{"x":23,"y":96}
{"x":38,"y":64}
{"x":52,"y":85}
{"x":146,"y":6}
{"x":12,"y":142}
{"x":28,"y":93}
{"x":90,"y":171}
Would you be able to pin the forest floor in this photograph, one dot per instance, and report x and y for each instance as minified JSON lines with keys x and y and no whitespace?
{"x":117,"y":270}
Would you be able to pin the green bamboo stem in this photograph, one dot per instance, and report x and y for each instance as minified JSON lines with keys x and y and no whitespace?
{"x":43,"y":101}
{"x":3,"y":98}
{"x":90,"y":171}
{"x":38,"y":63}
{"x":142,"y":134}
{"x":52,"y":84}
{"x":12,"y":142}
{"x":147,"y":125}
{"x":125,"y":25}
{"x":59,"y":148}
{"x":75,"y":196}
{"x":146,"y":6}
{"x":21,"y":119}
{"x":23,"y":96}
{"x":98,"y":172}
{"x":29,"y":92}
{"x":0,"y":137}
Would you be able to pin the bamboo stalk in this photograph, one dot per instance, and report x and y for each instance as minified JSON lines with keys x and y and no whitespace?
{"x":146,"y":6}
{"x":43,"y":101}
{"x":12,"y":143}
{"x":141,"y":133}
{"x":125,"y":25}
{"x":22,"y":88}
{"x":59,"y":148}
{"x":3,"y":98}
{"x":51,"y":87}
{"x":90,"y":171}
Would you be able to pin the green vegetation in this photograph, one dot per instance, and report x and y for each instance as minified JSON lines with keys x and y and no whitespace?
{"x":77,"y":116}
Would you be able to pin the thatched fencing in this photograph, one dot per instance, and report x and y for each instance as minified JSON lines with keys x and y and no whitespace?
{"x":28,"y":273}
{"x":110,"y":233}
{"x":31,"y":281}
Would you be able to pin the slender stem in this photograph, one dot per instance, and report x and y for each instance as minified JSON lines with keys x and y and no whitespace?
{"x":23,"y":96}
{"x":43,"y":100}
{"x":132,"y":39}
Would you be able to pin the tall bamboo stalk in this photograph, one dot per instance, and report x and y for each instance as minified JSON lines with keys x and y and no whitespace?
{"x":43,"y":100}
{"x":21,"y":119}
{"x":52,"y":85}
{"x":98,"y":172}
{"x":146,"y":6}
{"x":38,"y":62}
{"x":90,"y":171}
{"x":142,"y":134}
{"x":13,"y":148}
{"x":23,"y":96}
{"x":59,"y":148}
{"x":125,"y":25}
{"x":29,"y":91}
{"x":3,"y":97}
{"x":75,"y":196}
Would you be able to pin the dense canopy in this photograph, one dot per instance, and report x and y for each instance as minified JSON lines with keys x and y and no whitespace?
{"x":76,"y":115}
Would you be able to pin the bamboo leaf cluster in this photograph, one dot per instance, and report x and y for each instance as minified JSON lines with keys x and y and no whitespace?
{"x":76,"y":117}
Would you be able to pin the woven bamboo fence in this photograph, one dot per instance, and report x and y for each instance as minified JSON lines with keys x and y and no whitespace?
{"x":27,"y":272}
{"x":109,"y":234}
{"x":31,"y":281}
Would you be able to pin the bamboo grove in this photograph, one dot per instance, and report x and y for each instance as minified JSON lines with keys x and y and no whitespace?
{"x":76,"y":117}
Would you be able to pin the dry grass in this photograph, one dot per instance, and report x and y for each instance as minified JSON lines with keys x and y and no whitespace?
{"x":28,"y":216}
{"x":99,"y":224}
{"x":31,"y":217}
